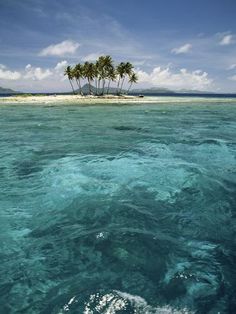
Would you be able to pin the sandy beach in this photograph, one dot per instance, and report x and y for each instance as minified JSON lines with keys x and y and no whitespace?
{"x":108,"y":99}
{"x":72,"y":99}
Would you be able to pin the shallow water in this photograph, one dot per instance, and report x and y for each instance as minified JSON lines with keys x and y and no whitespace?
{"x":118,"y":209}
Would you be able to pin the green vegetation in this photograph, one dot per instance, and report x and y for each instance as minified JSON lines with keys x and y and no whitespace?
{"x":30,"y":95}
{"x":101,"y":73}
{"x":25,"y":95}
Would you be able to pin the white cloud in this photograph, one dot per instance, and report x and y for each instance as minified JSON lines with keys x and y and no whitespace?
{"x":61,"y":49}
{"x":232,"y":78}
{"x":183,"y":79}
{"x":35,"y":79}
{"x":232,"y":67}
{"x":7,"y":74}
{"x":92,"y":57}
{"x":61,"y":66}
{"x":183,"y":49}
{"x":36,"y":74}
{"x":59,"y":70}
{"x":227,"y":40}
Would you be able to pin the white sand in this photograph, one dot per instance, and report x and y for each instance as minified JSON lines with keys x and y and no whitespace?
{"x":72,"y":99}
{"x":107,"y":99}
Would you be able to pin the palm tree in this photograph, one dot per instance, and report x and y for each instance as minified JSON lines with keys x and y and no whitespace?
{"x":89,"y":73}
{"x":133,"y":78}
{"x":120,"y":70}
{"x":69,"y":73}
{"x":78,"y":75}
{"x":128,"y":69}
{"x":107,"y":67}
{"x":96,"y":73}
{"x":104,"y":63}
{"x":111,"y":75}
{"x":100,"y":70}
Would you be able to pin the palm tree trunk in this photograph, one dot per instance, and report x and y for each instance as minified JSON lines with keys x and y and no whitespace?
{"x":77,"y":84}
{"x":90,"y":91}
{"x":99,"y":81}
{"x":80,"y":89}
{"x":108,"y":86}
{"x":118,"y":84}
{"x":122,"y":84}
{"x":103,"y":86}
{"x":96,"y":85}
{"x":72,"y":86}
{"x":129,"y":88}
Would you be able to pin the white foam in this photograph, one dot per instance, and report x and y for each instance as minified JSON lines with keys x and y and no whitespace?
{"x":115,"y":301}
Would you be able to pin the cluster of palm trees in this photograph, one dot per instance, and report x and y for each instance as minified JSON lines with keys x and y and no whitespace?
{"x":101,"y":73}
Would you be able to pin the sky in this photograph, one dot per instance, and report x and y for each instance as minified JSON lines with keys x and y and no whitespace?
{"x":175,"y":44}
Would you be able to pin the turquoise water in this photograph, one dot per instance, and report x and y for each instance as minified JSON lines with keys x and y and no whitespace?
{"x":118,"y":209}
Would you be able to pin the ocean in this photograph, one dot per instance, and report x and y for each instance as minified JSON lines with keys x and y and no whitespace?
{"x":117,"y":209}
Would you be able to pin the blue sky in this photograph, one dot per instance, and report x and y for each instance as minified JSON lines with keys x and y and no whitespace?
{"x":173,"y":43}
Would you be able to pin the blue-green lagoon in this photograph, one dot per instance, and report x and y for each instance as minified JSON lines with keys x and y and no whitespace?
{"x":118,"y":208}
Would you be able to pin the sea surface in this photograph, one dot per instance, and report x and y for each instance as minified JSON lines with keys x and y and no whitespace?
{"x":110,"y":209}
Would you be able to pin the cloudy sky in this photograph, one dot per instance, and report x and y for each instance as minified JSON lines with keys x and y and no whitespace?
{"x":178,"y":44}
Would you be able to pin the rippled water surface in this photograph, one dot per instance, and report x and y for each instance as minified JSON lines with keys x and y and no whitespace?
{"x":118,"y":209}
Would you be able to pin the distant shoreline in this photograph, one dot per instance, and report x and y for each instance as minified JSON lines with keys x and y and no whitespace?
{"x":107,"y":99}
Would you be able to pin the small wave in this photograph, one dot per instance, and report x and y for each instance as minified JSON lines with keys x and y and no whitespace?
{"x":141,"y":306}
{"x":116,"y":301}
